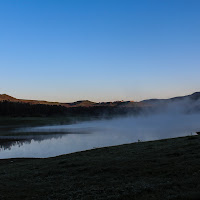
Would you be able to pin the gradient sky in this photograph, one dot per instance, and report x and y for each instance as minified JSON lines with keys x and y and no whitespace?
{"x":101,"y":50}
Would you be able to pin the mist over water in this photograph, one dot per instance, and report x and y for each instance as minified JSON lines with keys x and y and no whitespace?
{"x":167,"y":123}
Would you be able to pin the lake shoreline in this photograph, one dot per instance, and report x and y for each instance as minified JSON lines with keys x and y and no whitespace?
{"x":167,"y":168}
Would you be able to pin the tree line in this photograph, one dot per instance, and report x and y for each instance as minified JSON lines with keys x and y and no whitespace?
{"x":19,"y":109}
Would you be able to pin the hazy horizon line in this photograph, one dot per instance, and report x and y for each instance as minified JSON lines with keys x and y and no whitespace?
{"x":96,"y":101}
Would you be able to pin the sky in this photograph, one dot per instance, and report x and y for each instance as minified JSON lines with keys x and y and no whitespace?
{"x":102,"y":50}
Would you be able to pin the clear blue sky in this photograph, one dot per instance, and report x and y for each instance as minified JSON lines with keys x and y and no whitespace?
{"x":101,"y":50}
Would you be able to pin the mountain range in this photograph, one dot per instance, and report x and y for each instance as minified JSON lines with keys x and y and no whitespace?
{"x":86,"y":103}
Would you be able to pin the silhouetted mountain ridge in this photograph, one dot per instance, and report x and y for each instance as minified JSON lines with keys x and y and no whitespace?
{"x":10,"y":106}
{"x":194,"y":96}
{"x":5,"y":97}
{"x":86,"y":103}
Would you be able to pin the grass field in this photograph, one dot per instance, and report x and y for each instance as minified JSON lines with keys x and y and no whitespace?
{"x":165,"y":169}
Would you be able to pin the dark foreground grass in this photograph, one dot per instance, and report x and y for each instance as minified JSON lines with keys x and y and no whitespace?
{"x":165,"y":169}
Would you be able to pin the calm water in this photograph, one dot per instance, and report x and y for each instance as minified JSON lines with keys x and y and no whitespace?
{"x":88,"y":135}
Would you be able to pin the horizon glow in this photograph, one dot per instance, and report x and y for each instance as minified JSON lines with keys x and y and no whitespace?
{"x":103,"y":50}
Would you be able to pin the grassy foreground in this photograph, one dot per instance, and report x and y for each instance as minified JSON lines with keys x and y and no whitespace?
{"x":165,"y":169}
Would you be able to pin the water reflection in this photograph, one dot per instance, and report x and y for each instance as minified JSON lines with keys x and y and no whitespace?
{"x":9,"y":141}
{"x":100,"y":133}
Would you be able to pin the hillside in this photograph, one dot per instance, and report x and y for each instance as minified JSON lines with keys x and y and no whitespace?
{"x":195,"y":96}
{"x":5,"y":97}
{"x":164,"y":169}
{"x":86,"y":103}
{"x":10,"y":106}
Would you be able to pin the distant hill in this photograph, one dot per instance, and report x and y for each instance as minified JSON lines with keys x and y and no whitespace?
{"x":82,"y":103}
{"x":195,"y":96}
{"x":10,"y":106}
{"x":87,"y":103}
{"x":5,"y":97}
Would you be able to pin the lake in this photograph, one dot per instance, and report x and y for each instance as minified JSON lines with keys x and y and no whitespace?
{"x":63,"y":139}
